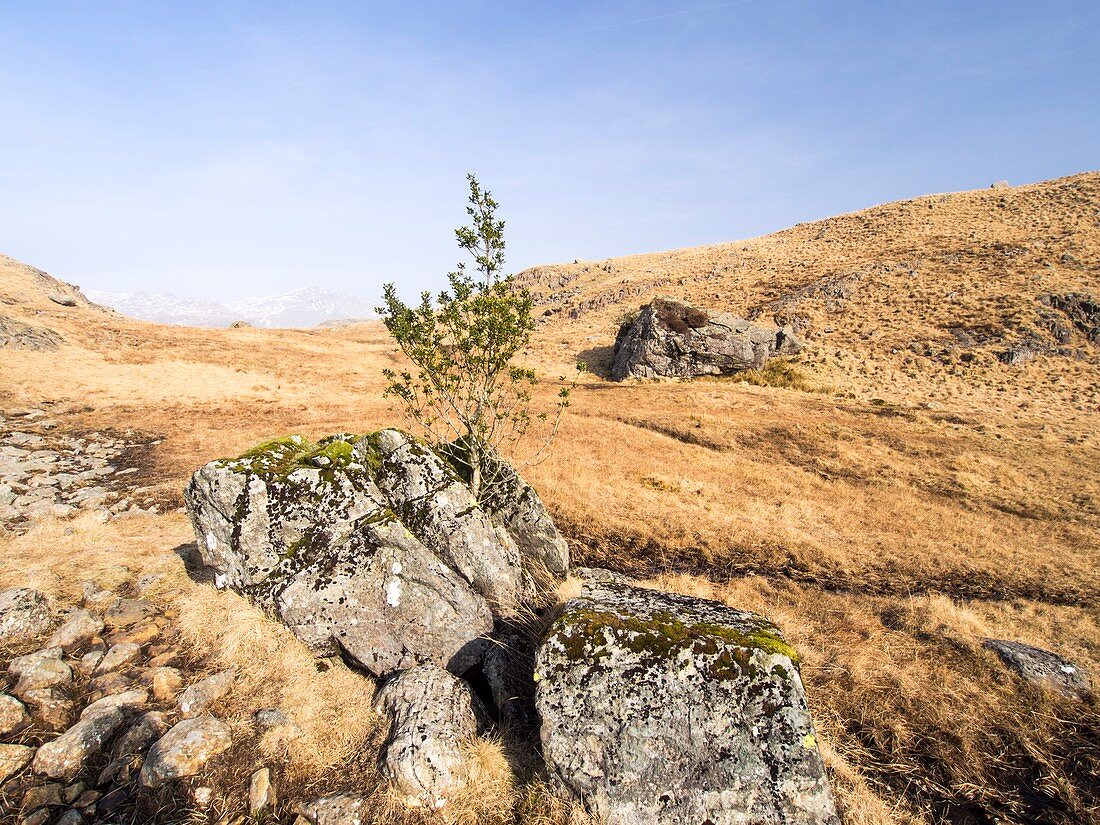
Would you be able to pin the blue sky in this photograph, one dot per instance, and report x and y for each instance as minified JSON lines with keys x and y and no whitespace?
{"x":225,"y":150}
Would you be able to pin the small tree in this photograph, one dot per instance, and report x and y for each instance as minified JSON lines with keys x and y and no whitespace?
{"x":465,"y":393}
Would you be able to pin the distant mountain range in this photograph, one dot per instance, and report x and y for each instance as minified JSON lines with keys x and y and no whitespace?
{"x":305,"y":307}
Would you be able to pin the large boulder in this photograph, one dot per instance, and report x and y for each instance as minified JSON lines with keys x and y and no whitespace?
{"x":1042,"y":668}
{"x":658,"y":708}
{"x":373,"y":546}
{"x":433,"y":715}
{"x":670,"y":338}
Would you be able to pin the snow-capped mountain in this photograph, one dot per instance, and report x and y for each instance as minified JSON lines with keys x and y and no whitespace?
{"x":305,"y":307}
{"x":301,"y":308}
{"x":165,"y":308}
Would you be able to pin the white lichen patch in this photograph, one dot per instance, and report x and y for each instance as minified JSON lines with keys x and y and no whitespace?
{"x":211,"y":541}
{"x":393,"y":591}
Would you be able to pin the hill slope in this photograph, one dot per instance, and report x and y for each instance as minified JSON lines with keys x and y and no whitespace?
{"x":920,"y":497}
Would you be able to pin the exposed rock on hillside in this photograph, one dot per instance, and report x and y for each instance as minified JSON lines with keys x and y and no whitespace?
{"x":1041,"y":667}
{"x":673,"y":339}
{"x":373,"y":546}
{"x":659,"y":708}
{"x":17,"y":335}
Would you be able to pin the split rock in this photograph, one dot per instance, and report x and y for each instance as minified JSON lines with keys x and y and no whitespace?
{"x":183,"y":751}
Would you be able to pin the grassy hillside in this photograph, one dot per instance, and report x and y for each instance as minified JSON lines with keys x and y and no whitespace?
{"x":916,"y":496}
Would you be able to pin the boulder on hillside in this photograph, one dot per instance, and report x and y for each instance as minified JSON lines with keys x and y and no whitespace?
{"x":658,"y":708}
{"x":670,"y":338}
{"x":1042,"y":668}
{"x":372,"y":546}
{"x":24,"y":615}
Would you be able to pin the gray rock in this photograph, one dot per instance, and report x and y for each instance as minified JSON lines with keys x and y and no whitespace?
{"x":40,"y":670}
{"x":320,"y":548}
{"x":659,"y":708}
{"x":24,"y":615}
{"x":141,"y":734}
{"x":672,"y":339}
{"x":127,"y":612}
{"x":999,"y":184}
{"x":514,"y":504}
{"x":79,"y":628}
{"x":13,"y":716}
{"x":439,"y":509}
{"x":184,"y":750}
{"x":118,"y":656}
{"x":1043,"y":668}
{"x":336,"y":809}
{"x":66,"y":756}
{"x":433,"y":714}
{"x":61,"y":298}
{"x":1082,"y":309}
{"x":197,"y":699}
{"x":52,"y":707}
{"x":13,"y":758}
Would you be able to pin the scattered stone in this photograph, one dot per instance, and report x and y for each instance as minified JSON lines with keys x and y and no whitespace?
{"x":24,"y":615}
{"x":13,"y":758}
{"x":126,"y":612}
{"x":112,"y":801}
{"x":142,"y":733}
{"x":13,"y":716}
{"x":65,"y":757}
{"x":163,"y":658}
{"x":79,"y":629}
{"x":87,"y":799}
{"x":52,"y":707}
{"x":183,"y":751}
{"x":261,"y":792}
{"x":1043,"y":668}
{"x":62,"y":299}
{"x":90,"y":661}
{"x":39,"y":817}
{"x":661,"y":708}
{"x":119,"y":655}
{"x":267,"y":718}
{"x":139,"y":634}
{"x":71,"y":817}
{"x":432,"y":713}
{"x":72,"y":792}
{"x":43,"y":796}
{"x":1000,"y":184}
{"x":1016,"y":355}
{"x":672,"y":339}
{"x":40,"y":670}
{"x":200,"y":696}
{"x":1082,"y":309}
{"x":337,"y":809}
{"x":166,"y":682}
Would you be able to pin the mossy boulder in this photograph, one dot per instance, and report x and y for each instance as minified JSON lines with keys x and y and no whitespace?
{"x":369,"y":545}
{"x":660,"y":708}
{"x":672,"y":339}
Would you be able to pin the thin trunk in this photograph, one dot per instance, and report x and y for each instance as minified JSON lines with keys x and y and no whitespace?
{"x":473,"y":455}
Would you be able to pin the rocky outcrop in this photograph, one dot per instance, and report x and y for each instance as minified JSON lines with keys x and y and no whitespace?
{"x":433,"y":714}
{"x":659,"y":708}
{"x":373,"y":546}
{"x":673,"y":339}
{"x":65,"y":757}
{"x":1082,"y":309}
{"x":1042,"y":668}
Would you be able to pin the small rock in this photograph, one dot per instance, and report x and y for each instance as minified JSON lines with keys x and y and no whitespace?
{"x":72,"y":792}
{"x":337,"y":809}
{"x":51,"y":706}
{"x":166,"y":682}
{"x":144,"y":583}
{"x":1000,"y":184}
{"x":1041,"y":667}
{"x":39,"y":817}
{"x":42,"y":797}
{"x":109,"y":684}
{"x":267,"y":718}
{"x":62,"y":299}
{"x":201,"y":695}
{"x":24,"y":615}
{"x":90,"y":661}
{"x":119,"y":656}
{"x":140,"y":634}
{"x":112,"y":801}
{"x":65,"y":757}
{"x":41,"y":670}
{"x":202,"y":796}
{"x":126,"y":612}
{"x":87,"y":799}
{"x":261,"y":793}
{"x":96,"y":595}
{"x":432,"y":713}
{"x":140,"y":736}
{"x":79,"y":629}
{"x":184,"y":750}
{"x":13,"y":716}
{"x":70,"y":817}
{"x":13,"y":758}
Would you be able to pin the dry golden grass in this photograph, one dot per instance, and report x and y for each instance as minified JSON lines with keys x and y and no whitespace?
{"x":888,"y":524}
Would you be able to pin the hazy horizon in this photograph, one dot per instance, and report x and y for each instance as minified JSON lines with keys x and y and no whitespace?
{"x":226,"y":152}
